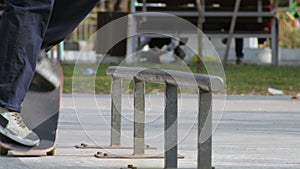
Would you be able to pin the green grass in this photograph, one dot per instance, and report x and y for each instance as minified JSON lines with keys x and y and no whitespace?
{"x":254,"y":79}
{"x":82,"y":83}
{"x":241,"y":79}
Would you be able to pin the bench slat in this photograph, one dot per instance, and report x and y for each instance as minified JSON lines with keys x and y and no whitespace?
{"x":232,"y":2}
{"x":170,"y":2}
{"x":173,"y":8}
{"x":207,"y":2}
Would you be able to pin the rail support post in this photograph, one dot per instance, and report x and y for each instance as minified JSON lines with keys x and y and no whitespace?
{"x":116,"y":105}
{"x":171,"y":127}
{"x":139,"y":117}
{"x":204,"y":130}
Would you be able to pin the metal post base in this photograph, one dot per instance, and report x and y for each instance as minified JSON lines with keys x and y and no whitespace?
{"x":131,"y":156}
{"x":86,"y":146}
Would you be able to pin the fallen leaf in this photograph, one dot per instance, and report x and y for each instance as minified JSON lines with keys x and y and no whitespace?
{"x":294,"y":97}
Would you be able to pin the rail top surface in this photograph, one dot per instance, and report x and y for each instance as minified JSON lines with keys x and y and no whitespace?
{"x":205,"y":82}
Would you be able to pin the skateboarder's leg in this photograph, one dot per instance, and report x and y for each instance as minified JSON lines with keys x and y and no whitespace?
{"x":66,"y":16}
{"x":22,"y":30}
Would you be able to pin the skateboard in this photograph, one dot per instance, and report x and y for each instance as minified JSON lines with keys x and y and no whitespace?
{"x":40,"y":111}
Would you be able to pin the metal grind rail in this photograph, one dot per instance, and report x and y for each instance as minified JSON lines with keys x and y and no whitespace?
{"x":205,"y":84}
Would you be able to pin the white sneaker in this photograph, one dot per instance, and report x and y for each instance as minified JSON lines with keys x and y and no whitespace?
{"x":46,"y":76}
{"x":13,"y":127}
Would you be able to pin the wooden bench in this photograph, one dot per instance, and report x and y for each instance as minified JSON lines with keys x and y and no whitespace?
{"x":205,"y":84}
{"x":255,"y":18}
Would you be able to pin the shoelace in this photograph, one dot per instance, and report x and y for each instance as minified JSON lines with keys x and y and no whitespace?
{"x":19,"y":120}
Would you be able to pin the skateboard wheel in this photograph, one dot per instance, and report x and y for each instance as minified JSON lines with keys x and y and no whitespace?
{"x":52,"y":152}
{"x":3,"y":151}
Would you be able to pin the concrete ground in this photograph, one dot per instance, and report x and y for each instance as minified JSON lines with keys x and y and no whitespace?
{"x":254,"y":132}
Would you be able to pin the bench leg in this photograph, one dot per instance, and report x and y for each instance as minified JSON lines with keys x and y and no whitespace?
{"x":171,"y":127}
{"x":274,"y":42}
{"x":204,"y":130}
{"x":139,"y":117}
{"x":116,"y":102}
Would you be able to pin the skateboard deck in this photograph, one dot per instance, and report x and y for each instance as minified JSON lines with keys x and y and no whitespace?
{"x":40,"y":112}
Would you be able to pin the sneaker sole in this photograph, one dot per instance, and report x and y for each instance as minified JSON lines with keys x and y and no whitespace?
{"x":18,"y":139}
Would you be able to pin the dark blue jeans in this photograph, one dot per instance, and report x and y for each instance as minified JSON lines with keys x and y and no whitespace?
{"x":26,"y":27}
